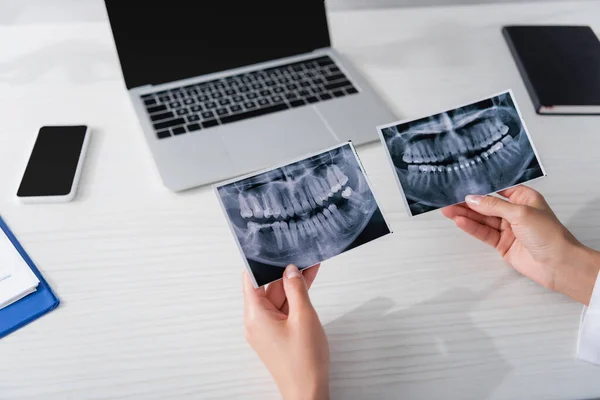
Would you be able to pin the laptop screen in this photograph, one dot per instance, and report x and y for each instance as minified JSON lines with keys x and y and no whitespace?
{"x":164,"y":41}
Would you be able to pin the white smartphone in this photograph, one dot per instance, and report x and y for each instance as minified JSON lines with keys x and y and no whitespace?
{"x":54,"y":167}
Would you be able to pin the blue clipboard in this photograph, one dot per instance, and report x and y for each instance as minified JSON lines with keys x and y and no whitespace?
{"x":30,"y":307}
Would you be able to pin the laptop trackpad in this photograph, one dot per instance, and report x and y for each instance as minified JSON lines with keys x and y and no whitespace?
{"x":276,"y":138}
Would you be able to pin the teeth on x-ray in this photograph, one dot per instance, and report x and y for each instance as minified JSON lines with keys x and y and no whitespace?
{"x":476,"y":149}
{"x":302,"y":213}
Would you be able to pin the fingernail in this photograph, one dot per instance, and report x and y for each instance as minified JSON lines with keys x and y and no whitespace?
{"x":292,"y":272}
{"x":475,"y":200}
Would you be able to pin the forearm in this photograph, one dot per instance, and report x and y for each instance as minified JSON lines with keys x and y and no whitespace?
{"x":577,"y":280}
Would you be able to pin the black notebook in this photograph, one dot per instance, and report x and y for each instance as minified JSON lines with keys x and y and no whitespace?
{"x":560,"y":66}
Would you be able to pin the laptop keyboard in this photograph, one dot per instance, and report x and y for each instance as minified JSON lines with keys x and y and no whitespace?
{"x":235,"y":98}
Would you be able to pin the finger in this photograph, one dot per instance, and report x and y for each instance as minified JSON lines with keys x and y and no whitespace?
{"x":478,"y":231}
{"x":310,"y":274}
{"x":508,"y":192}
{"x":451,"y":211}
{"x":454,"y":210}
{"x":494,"y":207}
{"x":463,"y":211}
{"x":276,"y":294}
{"x":257,"y":306}
{"x":296,"y":291}
{"x":252,"y":295}
{"x":525,"y":195}
{"x":507,"y":238}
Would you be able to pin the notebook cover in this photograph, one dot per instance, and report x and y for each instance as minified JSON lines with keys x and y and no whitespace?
{"x":560,"y":65}
{"x":30,"y":307}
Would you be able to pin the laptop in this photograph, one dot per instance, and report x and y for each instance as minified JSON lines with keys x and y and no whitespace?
{"x":226,"y":88}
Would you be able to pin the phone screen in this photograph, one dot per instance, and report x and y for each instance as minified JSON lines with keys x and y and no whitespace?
{"x":53,"y":163}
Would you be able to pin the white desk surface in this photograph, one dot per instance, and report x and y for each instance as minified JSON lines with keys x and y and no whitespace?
{"x":150,"y":280}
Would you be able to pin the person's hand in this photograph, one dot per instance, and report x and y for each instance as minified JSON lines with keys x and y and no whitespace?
{"x":529,"y":236}
{"x":284,"y":330}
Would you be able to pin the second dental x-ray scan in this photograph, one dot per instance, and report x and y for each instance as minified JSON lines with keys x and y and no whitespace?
{"x":302,"y":213}
{"x":479,"y":148}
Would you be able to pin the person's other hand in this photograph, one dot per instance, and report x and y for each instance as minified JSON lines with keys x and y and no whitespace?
{"x":284,"y":330}
{"x":529,"y":236}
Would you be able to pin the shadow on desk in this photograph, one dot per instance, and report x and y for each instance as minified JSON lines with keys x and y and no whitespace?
{"x":431,"y":350}
{"x":584,"y":224}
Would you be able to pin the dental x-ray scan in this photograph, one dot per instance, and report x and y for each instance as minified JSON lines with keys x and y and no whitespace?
{"x":479,"y":148}
{"x":302,"y":213}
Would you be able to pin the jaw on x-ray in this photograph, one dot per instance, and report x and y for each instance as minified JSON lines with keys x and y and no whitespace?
{"x":476,"y":149}
{"x":302,"y":213}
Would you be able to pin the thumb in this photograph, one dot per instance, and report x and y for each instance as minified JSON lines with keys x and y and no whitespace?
{"x":494,"y":207}
{"x":296,"y":290}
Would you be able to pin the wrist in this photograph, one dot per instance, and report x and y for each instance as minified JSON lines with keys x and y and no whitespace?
{"x":316,"y":391}
{"x":321,"y":392}
{"x":578,"y":275}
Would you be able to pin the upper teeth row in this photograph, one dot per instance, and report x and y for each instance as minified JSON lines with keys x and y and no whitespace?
{"x":297,"y":198}
{"x":430,"y":151}
{"x":462,"y":165}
